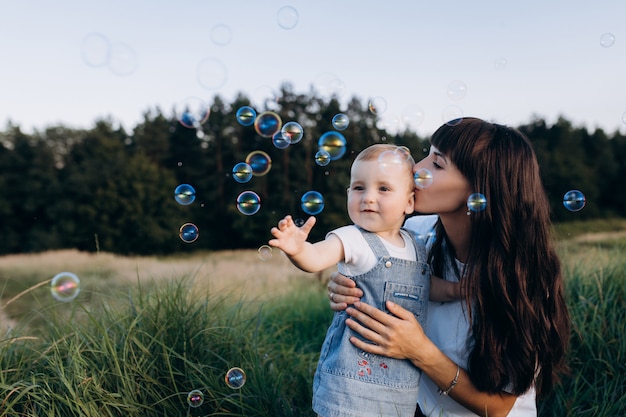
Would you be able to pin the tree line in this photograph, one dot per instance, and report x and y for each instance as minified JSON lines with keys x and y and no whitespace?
{"x":105,"y":189}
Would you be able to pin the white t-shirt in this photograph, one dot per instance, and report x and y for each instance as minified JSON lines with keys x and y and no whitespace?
{"x":358,"y":255}
{"x":449,"y":329}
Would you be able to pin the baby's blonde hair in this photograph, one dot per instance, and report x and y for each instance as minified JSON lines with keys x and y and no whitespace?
{"x":373,"y":152}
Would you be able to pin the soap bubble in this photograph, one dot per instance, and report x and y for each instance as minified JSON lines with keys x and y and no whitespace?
{"x":123,"y":59}
{"x":456,"y":90}
{"x":377,"y":105}
{"x":195,"y":398}
{"x":574,"y":200}
{"x":322,"y":158}
{"x":260,"y":162}
{"x":192,"y":112}
{"x":452,"y":115}
{"x":293,"y":132}
{"x":267,"y":124}
{"x":280,"y":140}
{"x":246,"y":116}
{"x":340,"y":121}
{"x":334,"y":143}
{"x":423,"y":178}
{"x":211,"y":73}
{"x":65,"y":286}
{"x":412,"y":115}
{"x":264,"y":96}
{"x":312,"y":202}
{"x":607,"y":40}
{"x":95,"y":50}
{"x":188,"y":233}
{"x":329,"y":85}
{"x":184,"y":194}
{"x":287,"y":17}
{"x":500,"y":63}
{"x":265,"y":252}
{"x":476,"y":202}
{"x":393,"y":161}
{"x":242,"y":172}
{"x":248,"y":203}
{"x":221,"y":35}
{"x":235,"y":378}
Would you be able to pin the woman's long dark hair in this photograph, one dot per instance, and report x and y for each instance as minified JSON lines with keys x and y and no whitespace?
{"x":512,"y":281}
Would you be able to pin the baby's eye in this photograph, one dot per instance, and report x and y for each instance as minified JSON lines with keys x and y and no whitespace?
{"x":384,"y":188}
{"x":357,"y":187}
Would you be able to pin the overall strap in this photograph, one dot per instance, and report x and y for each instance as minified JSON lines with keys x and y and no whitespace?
{"x":375,"y":243}
{"x":420,"y":250}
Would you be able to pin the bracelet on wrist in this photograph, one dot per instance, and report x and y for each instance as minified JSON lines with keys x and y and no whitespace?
{"x":452,"y":384}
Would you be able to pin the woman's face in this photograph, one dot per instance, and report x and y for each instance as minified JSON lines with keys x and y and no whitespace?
{"x":449,"y":189}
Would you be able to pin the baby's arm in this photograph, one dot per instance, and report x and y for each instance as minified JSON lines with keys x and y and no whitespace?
{"x":442,"y":290}
{"x":309,"y":257}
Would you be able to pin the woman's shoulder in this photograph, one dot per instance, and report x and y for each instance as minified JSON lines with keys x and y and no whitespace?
{"x":421,"y":224}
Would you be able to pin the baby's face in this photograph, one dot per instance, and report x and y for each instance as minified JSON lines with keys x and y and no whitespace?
{"x":380,"y":195}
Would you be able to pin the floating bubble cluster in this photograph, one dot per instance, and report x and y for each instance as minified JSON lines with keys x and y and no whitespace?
{"x":65,"y":286}
{"x":574,"y":200}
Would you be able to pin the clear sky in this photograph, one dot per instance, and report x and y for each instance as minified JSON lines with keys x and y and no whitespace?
{"x":74,"y":61}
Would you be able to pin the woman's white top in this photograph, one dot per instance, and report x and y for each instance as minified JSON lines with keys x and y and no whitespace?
{"x":449,"y":329}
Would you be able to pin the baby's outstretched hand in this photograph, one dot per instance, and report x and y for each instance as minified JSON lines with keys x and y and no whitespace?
{"x":290,"y":238}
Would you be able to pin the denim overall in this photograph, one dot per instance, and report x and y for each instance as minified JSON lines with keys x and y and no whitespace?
{"x":354,"y":383}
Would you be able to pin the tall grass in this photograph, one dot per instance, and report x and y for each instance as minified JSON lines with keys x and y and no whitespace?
{"x":142,"y":349}
{"x":143,"y":360}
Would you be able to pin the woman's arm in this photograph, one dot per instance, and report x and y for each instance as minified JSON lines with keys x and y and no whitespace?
{"x":401,"y":336}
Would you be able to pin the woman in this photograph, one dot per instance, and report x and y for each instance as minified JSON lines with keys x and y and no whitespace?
{"x":492,"y":352}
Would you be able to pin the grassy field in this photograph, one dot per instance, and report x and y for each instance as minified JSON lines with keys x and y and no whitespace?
{"x":144,"y":333}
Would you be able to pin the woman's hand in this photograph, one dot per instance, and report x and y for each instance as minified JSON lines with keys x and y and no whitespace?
{"x":397,"y":336}
{"x":342,"y":291}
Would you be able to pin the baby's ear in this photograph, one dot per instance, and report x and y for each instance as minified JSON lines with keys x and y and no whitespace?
{"x":410,"y":205}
